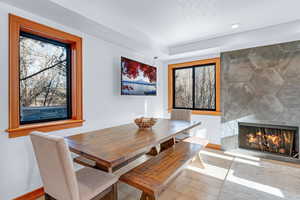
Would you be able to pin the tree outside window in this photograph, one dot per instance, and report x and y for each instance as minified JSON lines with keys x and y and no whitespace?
{"x":44,"y":79}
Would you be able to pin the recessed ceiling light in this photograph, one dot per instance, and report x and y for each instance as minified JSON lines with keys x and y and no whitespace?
{"x":235,"y":26}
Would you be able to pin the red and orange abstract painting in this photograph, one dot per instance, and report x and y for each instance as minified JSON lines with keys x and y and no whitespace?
{"x":137,"y":78}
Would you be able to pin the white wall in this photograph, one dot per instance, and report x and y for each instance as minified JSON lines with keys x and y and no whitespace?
{"x":211,"y":125}
{"x":103,"y":105}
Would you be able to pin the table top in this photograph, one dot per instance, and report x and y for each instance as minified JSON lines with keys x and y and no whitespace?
{"x":113,"y":146}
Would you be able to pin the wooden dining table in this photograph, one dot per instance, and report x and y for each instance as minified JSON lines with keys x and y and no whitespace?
{"x":113,"y":147}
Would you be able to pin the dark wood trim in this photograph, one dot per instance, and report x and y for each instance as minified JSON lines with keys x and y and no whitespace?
{"x":32,"y":195}
{"x":194,"y":63}
{"x":16,"y":25}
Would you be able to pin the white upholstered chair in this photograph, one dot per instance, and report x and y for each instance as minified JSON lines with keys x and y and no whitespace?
{"x":60,"y":180}
{"x":176,"y":114}
{"x":181,"y":114}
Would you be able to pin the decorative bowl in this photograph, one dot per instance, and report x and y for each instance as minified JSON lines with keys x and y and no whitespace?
{"x":144,"y":123}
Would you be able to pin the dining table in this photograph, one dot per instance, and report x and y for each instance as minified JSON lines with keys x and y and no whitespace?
{"x":113,"y":147}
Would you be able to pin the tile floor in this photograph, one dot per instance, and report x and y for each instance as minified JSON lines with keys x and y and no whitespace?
{"x":229,"y":176}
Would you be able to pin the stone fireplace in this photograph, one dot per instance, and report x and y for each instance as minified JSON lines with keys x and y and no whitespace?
{"x":274,"y":139}
{"x":260,"y":96}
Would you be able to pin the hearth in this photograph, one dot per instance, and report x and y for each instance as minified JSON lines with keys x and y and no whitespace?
{"x":274,"y":139}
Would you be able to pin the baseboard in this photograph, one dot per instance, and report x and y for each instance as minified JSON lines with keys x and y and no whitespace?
{"x":32,"y":195}
{"x":214,"y":146}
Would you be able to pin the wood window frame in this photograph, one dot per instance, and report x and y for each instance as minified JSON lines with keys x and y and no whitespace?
{"x":171,"y":67}
{"x":16,"y":25}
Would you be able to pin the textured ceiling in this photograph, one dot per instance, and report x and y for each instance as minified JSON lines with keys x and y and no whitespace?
{"x":174,"y":29}
{"x":174,"y":22}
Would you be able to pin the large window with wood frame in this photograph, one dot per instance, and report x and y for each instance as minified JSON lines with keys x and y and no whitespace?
{"x":45,"y":78}
{"x":195,"y":86}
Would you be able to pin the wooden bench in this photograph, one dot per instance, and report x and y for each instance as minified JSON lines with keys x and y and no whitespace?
{"x":153,"y":176}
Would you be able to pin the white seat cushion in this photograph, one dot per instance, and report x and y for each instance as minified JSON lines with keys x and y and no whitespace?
{"x":92,"y":182}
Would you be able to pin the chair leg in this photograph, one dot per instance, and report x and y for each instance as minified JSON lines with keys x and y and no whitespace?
{"x":110,"y":193}
{"x":48,"y":197}
{"x":147,"y":197}
{"x":114,"y":192}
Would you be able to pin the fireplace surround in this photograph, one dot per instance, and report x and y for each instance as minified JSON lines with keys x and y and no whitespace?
{"x":260,"y":85}
{"x":273,"y":139}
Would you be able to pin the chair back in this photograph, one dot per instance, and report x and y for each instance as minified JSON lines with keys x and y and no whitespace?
{"x":56,"y":166}
{"x":181,"y":114}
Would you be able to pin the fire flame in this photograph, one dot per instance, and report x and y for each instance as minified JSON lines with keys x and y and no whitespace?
{"x":275,"y":139}
{"x":252,"y":139}
{"x":272,"y":138}
{"x":265,"y":140}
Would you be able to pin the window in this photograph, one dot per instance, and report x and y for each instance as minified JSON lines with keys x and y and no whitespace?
{"x":44,"y":79}
{"x":195,"y":86}
{"x":45,"y":86}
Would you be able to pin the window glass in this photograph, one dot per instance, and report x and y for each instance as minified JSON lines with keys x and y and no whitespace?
{"x":44,"y":79}
{"x":195,"y":87}
{"x":205,"y":87}
{"x":183,"y":88}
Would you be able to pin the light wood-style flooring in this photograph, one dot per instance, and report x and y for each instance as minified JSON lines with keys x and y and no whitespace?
{"x":221,"y":175}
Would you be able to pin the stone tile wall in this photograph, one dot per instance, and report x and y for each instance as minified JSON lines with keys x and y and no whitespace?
{"x":260,"y":85}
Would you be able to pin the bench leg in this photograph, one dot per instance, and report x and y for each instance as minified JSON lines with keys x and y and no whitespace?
{"x":154,"y":151}
{"x":197,"y":162}
{"x":147,"y":197}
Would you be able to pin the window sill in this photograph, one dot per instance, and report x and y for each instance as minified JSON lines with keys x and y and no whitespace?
{"x":203,"y":112}
{"x":24,"y":130}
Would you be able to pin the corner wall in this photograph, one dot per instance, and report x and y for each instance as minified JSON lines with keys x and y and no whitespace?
{"x":211,"y":125}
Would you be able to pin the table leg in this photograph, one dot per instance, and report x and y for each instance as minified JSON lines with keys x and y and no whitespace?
{"x":167,"y":144}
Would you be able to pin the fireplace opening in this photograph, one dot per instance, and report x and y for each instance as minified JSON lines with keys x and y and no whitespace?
{"x":279,"y":140}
